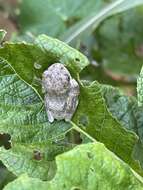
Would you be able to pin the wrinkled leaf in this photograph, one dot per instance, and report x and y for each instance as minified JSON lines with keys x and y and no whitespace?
{"x":95,"y":119}
{"x":89,"y":166}
{"x":91,"y":115}
{"x":35,"y":142}
{"x":129,"y":114}
{"x":31,"y":159}
{"x":116,"y":99}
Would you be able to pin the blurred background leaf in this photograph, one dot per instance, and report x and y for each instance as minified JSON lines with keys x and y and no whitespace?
{"x":63,"y":15}
{"x":119,"y":41}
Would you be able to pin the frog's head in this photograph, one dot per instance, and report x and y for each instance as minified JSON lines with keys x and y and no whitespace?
{"x":56,"y":79}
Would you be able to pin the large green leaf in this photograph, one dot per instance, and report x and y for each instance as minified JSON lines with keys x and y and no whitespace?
{"x":34,"y":141}
{"x":95,"y":119}
{"x":90,"y":166}
{"x":92,"y":114}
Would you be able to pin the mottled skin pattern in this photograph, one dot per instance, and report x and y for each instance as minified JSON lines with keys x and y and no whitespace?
{"x":61,"y":93}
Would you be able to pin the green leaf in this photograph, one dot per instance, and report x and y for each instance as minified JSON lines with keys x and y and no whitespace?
{"x":127,"y":114}
{"x":23,"y":117}
{"x":72,"y":58}
{"x":91,"y":115}
{"x":94,"y":118}
{"x":2,"y":35}
{"x":90,"y":23}
{"x":121,"y":37}
{"x":30,"y":60}
{"x":30,"y":158}
{"x":97,"y":168}
{"x":138,"y":151}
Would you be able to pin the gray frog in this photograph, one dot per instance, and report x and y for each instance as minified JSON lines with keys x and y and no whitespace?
{"x":61,"y":93}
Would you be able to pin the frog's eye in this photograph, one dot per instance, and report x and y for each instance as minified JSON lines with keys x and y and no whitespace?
{"x":68,"y":78}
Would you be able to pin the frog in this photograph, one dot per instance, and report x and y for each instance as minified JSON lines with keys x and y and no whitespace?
{"x":61,"y":93}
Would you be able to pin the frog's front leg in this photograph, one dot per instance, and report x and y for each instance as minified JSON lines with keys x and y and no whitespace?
{"x":49,"y":113}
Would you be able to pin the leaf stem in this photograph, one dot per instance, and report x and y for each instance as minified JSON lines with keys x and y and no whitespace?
{"x":75,"y":127}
